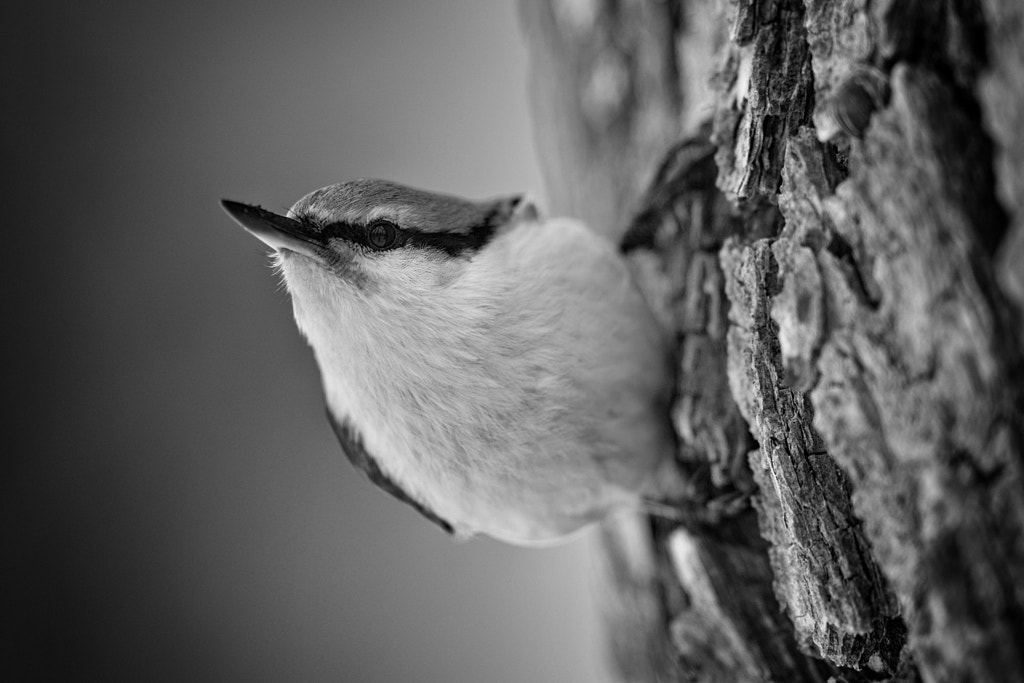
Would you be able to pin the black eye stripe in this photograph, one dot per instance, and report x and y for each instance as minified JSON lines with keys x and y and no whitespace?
{"x":458,"y":244}
{"x":452,"y":244}
{"x":378,"y":236}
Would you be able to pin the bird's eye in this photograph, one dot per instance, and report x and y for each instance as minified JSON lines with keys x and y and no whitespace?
{"x":382,"y":235}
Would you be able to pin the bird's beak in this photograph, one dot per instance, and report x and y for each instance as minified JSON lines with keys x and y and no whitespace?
{"x":276,"y":231}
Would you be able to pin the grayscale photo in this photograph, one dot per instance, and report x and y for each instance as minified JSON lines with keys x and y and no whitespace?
{"x":551,"y":340}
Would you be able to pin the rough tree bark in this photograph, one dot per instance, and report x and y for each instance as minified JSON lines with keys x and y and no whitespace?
{"x":824,"y":200}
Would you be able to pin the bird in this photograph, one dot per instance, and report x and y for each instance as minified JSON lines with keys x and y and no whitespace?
{"x":499,"y":371}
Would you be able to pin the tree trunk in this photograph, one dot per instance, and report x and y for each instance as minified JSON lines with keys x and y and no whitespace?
{"x":825,"y":202}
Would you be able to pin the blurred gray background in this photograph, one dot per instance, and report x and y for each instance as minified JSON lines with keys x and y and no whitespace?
{"x":174,"y":505}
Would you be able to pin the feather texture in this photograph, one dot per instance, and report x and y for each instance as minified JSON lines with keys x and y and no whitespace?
{"x":519,"y":391}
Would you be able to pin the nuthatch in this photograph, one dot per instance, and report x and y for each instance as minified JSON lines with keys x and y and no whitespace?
{"x":500,"y":373}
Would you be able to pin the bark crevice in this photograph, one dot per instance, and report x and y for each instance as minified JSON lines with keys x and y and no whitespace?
{"x":838,"y":250}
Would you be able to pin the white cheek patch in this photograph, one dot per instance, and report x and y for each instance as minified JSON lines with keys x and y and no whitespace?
{"x":410,"y":272}
{"x":314,"y":292}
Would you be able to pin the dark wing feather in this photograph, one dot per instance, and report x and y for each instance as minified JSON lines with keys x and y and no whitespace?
{"x":352,"y":445}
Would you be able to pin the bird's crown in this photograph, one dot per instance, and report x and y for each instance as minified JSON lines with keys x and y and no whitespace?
{"x":381,"y":215}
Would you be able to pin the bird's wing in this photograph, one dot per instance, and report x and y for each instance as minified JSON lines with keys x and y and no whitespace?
{"x":352,"y":445}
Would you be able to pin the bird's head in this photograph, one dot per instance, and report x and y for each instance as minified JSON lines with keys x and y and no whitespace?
{"x":376,"y":239}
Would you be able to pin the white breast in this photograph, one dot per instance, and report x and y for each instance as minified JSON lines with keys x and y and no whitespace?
{"x":523,"y":399}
